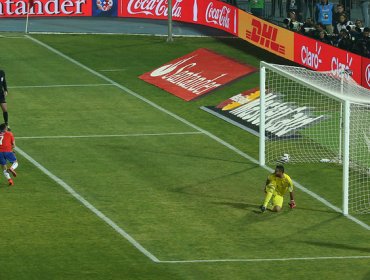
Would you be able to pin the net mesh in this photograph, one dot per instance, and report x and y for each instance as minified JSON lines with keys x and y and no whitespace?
{"x":304,"y":115}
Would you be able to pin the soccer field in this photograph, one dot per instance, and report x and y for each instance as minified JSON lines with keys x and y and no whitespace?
{"x":121,"y":180}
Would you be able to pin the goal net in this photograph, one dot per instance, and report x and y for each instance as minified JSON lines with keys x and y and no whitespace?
{"x":318,"y":117}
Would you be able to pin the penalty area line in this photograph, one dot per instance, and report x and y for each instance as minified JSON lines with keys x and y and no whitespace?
{"x":111,"y":135}
{"x":60,"y":86}
{"x":88,"y":205}
{"x":271,"y":260}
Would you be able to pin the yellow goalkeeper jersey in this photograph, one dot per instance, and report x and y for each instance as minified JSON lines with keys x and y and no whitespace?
{"x":281,"y":185}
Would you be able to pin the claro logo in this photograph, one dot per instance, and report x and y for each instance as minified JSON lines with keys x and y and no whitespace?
{"x":265,"y":35}
{"x":339,"y":68}
{"x":367,"y":76}
{"x":311,"y":58}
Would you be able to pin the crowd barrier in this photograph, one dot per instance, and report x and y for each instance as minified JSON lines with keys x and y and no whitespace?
{"x":217,"y":14}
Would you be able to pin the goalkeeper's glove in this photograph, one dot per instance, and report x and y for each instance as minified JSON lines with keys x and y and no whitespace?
{"x":292,"y":204}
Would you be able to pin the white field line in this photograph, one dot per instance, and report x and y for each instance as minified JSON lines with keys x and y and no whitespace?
{"x":269,"y":260}
{"x":57,"y":86}
{"x":87,"y":205}
{"x":111,"y":135}
{"x":236,"y":150}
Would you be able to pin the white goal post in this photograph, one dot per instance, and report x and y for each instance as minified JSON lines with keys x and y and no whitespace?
{"x":317,"y":117}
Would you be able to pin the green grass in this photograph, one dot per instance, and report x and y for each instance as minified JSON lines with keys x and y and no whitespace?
{"x":182,"y":197}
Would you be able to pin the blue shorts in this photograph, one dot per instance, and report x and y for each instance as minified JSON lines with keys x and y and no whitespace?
{"x":7,"y":156}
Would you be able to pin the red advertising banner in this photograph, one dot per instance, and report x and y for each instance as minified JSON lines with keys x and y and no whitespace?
{"x":196,"y":74}
{"x":211,"y":13}
{"x":365,"y":72}
{"x":45,"y":8}
{"x":323,"y":57}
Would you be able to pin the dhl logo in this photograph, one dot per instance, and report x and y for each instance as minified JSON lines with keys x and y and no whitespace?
{"x":265,"y":35}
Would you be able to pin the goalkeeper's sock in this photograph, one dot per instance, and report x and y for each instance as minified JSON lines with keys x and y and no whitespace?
{"x":267,"y":198}
{"x":6,"y":174}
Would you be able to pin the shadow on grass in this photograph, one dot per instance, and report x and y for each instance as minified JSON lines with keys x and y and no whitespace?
{"x":335,"y":245}
{"x":184,"y":189}
{"x":196,"y":156}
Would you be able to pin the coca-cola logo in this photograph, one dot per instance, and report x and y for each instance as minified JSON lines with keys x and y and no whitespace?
{"x":218,"y":16}
{"x":154,"y":7}
{"x":46,"y":8}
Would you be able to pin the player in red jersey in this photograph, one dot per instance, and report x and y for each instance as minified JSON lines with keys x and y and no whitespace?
{"x":7,"y":144}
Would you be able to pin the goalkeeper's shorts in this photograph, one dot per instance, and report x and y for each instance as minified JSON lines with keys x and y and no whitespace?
{"x":277,"y":200}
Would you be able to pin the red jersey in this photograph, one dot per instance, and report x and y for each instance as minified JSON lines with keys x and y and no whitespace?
{"x":6,"y":141}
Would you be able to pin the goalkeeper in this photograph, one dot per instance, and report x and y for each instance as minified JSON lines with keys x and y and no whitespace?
{"x":277,"y":184}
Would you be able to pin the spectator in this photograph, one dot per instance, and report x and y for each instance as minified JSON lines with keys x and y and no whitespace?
{"x":339,"y":10}
{"x":307,"y":27}
{"x":356,"y":32}
{"x":343,"y":23}
{"x":295,"y":6}
{"x":324,"y":14}
{"x":323,"y":37}
{"x":257,"y":7}
{"x":344,"y":42}
{"x":362,"y":45}
{"x":291,"y":22}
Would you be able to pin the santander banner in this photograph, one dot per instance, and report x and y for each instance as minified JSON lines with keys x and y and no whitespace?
{"x":211,"y":13}
{"x":46,"y":8}
{"x":196,"y":74}
{"x":323,"y":57}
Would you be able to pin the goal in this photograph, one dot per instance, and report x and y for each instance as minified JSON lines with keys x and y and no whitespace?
{"x":317,"y":117}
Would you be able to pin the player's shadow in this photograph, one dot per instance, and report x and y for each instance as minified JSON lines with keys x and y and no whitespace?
{"x":299,"y":208}
{"x":335,"y":245}
{"x":240,"y":205}
{"x":186,"y":189}
{"x":195,"y":156}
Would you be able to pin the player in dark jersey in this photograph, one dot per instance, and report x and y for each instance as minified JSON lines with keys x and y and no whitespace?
{"x":7,"y":144}
{"x":3,"y":94}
